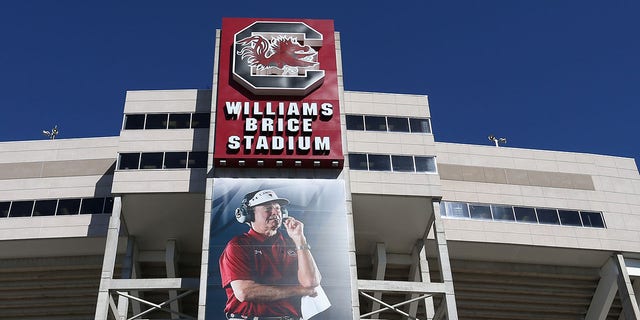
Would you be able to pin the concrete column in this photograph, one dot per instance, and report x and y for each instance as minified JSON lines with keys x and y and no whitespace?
{"x":625,"y":290}
{"x":171,"y":265}
{"x":445,"y":264}
{"x":379,"y":269}
{"x":605,"y":292}
{"x":109,"y":261}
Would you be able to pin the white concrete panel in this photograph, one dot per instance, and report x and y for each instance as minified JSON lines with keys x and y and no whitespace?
{"x":589,"y":243}
{"x":58,"y":150}
{"x":146,"y":181}
{"x":353,"y":96}
{"x":52,"y":227}
{"x":51,"y":188}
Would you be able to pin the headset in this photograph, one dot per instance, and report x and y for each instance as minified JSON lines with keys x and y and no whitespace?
{"x":245,"y":214}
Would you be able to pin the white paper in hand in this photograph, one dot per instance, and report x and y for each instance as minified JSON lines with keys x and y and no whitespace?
{"x":314,"y":305}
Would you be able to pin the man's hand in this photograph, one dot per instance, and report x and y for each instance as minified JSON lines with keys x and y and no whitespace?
{"x":295,"y":230}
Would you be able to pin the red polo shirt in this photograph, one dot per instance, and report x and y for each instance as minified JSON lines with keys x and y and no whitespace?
{"x":265,"y":260}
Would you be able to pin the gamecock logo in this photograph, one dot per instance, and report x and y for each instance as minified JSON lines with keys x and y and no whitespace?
{"x":277,"y":58}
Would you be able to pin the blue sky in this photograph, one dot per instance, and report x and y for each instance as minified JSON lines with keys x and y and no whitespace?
{"x":546,"y":74}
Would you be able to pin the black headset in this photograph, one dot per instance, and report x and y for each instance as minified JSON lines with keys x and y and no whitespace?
{"x":245,"y":214}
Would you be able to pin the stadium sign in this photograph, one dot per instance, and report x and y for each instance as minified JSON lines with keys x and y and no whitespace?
{"x":277,"y":99}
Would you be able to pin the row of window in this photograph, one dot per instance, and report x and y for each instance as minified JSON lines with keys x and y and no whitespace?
{"x":202,"y":120}
{"x":167,"y":121}
{"x":55,"y":207}
{"x":385,"y":162}
{"x":388,"y":124}
{"x":563,"y":217}
{"x":162,"y":160}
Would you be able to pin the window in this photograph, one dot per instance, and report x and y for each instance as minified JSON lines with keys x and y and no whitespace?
{"x":200,"y":120}
{"x":375,"y":123}
{"x":68,"y":206}
{"x":569,"y":218}
{"x":134,"y":121}
{"x":420,"y":125}
{"x":456,"y":209}
{"x":197,"y":160}
{"x":478,"y":211}
{"x":92,"y":206}
{"x":54,"y":207}
{"x":425,"y":164}
{"x":398,"y":124}
{"x":358,"y":161}
{"x":151,"y":160}
{"x":378,"y":162}
{"x":503,"y":213}
{"x":179,"y":120}
{"x":156,"y":121}
{"x":592,"y":219}
{"x":167,"y":121}
{"x":548,"y":216}
{"x":524,"y":214}
{"x":4,"y":209}
{"x":45,"y":208}
{"x":175,"y":160}
{"x":402,"y":163}
{"x":399,"y":163}
{"x":108,"y":205}
{"x":21,"y":209}
{"x":355,"y":122}
{"x":391,"y":124}
{"x":129,"y":161}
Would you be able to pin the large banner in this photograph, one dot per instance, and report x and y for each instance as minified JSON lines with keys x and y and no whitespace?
{"x":278,"y":247}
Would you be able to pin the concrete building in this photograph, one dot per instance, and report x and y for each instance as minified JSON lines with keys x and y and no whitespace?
{"x":120,"y":227}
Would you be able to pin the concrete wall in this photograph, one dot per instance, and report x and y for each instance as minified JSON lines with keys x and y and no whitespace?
{"x":551,"y":179}
{"x":51,"y":169}
{"x":415,"y":106}
{"x":163,"y":140}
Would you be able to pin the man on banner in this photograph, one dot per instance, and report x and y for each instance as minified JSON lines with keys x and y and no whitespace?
{"x":265,"y":273}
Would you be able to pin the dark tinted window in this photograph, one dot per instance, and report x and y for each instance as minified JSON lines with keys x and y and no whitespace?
{"x":108,"y":205}
{"x":197,"y":159}
{"x":68,"y":206}
{"x":375,"y":123}
{"x":398,"y":124}
{"x":379,"y":162}
{"x":420,"y":125}
{"x":129,"y":161}
{"x":358,"y":161}
{"x":156,"y":121}
{"x":21,"y":209}
{"x":502,"y":213}
{"x":592,"y":219}
{"x":525,"y":214}
{"x":402,"y":163}
{"x":92,"y":206}
{"x":151,"y":160}
{"x":355,"y":122}
{"x":45,"y":208}
{"x":200,"y":120}
{"x":179,"y":120}
{"x":175,"y":160}
{"x":425,"y":164}
{"x":480,"y":211}
{"x":569,"y":218}
{"x":548,"y":216}
{"x":456,"y":209}
{"x":4,"y":209}
{"x":134,"y":121}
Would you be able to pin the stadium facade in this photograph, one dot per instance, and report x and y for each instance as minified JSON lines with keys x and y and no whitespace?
{"x":131,"y":227}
